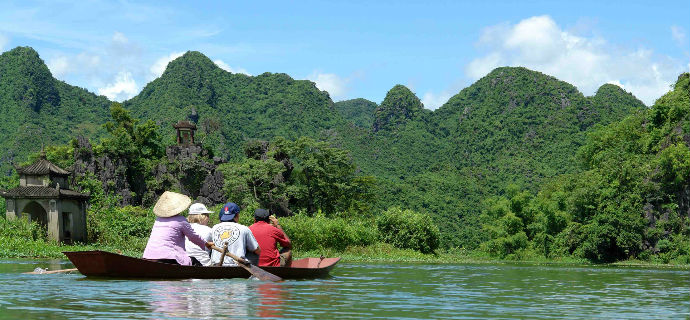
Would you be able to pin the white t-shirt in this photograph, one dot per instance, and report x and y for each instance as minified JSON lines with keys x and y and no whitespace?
{"x":201,"y":254}
{"x":238,"y":237}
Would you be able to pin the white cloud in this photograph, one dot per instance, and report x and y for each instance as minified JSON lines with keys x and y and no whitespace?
{"x":158,"y":67}
{"x":88,"y":60}
{"x":83,"y":63}
{"x":538,"y":43}
{"x":617,"y":83}
{"x":122,"y":52}
{"x":332,"y":83}
{"x":111,"y":69}
{"x":227,"y":68}
{"x":678,"y":34}
{"x":59,"y":66}
{"x":123,"y":88}
{"x":433,"y":101}
{"x":119,"y":38}
{"x":3,"y":42}
{"x":479,"y":67}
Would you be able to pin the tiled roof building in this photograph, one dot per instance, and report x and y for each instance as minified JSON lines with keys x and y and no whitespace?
{"x":43,"y":195}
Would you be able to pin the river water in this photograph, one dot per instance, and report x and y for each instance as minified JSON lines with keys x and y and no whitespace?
{"x":358,"y":290}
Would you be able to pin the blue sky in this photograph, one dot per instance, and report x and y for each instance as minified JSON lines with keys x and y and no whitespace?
{"x":359,"y":49}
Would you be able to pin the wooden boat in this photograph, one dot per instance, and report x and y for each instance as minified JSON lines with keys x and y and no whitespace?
{"x":107,"y":264}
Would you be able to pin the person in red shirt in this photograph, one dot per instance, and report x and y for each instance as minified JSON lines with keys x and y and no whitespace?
{"x":269,"y":234}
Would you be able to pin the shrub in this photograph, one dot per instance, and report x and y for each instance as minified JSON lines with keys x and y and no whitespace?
{"x":127,"y":228}
{"x":674,"y":250}
{"x":22,"y":238}
{"x":319,"y":232}
{"x":504,"y":246}
{"x":22,"y":228}
{"x":407,"y":229}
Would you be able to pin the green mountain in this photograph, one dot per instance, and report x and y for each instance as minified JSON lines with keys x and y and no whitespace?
{"x":512,"y":127}
{"x":399,"y":107}
{"x":36,"y":108}
{"x":522,"y":125}
{"x":611,"y":101}
{"x":358,"y":111}
{"x":630,"y":200}
{"x":232,"y":108}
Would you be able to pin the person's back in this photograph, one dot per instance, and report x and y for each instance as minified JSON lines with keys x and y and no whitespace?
{"x":198,"y":218}
{"x":167,"y":241}
{"x":203,"y":255}
{"x":237,"y":237}
{"x":269,"y":234}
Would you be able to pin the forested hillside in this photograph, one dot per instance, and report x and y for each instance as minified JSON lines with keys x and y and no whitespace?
{"x":232,"y":108}
{"x":630,"y":200}
{"x":359,"y":112}
{"x":36,"y":108}
{"x":513,"y":129}
{"x":522,"y":125}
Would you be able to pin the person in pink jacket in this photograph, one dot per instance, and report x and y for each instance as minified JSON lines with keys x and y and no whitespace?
{"x":166,"y":243}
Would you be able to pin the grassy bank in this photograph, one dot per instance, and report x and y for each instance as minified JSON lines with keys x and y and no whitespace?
{"x":358,"y":241}
{"x":377,"y":253}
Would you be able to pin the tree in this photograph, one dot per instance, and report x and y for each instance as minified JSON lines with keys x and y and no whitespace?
{"x":303,"y":174}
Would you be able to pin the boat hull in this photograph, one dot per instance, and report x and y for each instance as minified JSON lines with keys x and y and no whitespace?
{"x":107,"y":264}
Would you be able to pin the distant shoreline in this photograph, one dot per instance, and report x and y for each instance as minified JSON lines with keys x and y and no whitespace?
{"x":379,"y":253}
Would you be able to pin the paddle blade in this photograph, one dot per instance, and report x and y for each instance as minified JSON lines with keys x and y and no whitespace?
{"x":263,"y":274}
{"x":45,"y":271}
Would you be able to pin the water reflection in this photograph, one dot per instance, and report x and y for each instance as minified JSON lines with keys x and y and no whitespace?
{"x":200,"y":298}
{"x":272,"y":297}
{"x":206,"y":299}
{"x":357,"y":291}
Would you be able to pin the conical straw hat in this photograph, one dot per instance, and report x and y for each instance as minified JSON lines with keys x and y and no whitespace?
{"x":171,"y":204}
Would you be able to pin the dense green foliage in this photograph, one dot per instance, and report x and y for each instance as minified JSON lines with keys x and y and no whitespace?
{"x":526,"y":126}
{"x":512,"y":127}
{"x":631,"y":199}
{"x":399,"y":106}
{"x":36,"y":108}
{"x":320,"y":232}
{"x":231,"y":108}
{"x":408,"y":229}
{"x":22,"y":238}
{"x":301,"y":175}
{"x":359,"y":112}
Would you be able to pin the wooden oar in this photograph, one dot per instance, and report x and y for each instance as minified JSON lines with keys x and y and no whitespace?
{"x":51,"y":271}
{"x":222,"y":256}
{"x":254,"y":270}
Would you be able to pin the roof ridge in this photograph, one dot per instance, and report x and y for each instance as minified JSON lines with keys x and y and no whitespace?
{"x":42,"y":166}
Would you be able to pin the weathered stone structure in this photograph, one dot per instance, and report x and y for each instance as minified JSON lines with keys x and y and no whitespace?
{"x":188,"y":168}
{"x":191,"y":169}
{"x":185,"y":132}
{"x":44,"y":196}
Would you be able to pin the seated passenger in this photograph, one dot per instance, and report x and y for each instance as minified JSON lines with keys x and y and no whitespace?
{"x":166,"y":243}
{"x":237,"y":237}
{"x":198,"y":218}
{"x":269,"y":234}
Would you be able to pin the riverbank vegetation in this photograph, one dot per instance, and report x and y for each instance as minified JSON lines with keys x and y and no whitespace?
{"x":26,"y":239}
{"x":629,"y":201}
{"x":495,"y":173}
{"x":127,"y":230}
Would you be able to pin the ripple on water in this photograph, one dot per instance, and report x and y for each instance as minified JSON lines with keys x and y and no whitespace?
{"x":368,"y":290}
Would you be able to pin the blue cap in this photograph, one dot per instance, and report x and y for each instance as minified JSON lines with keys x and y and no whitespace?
{"x":228,"y":212}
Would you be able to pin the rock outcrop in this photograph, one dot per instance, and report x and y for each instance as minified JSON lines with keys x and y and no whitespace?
{"x":188,"y":169}
{"x":110,"y":172}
